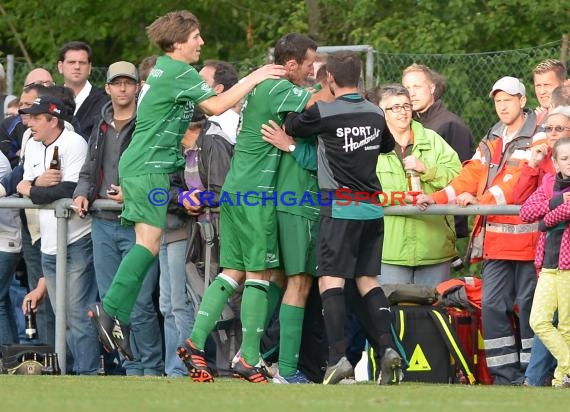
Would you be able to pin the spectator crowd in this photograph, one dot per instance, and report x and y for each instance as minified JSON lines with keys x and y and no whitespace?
{"x":203,"y":285}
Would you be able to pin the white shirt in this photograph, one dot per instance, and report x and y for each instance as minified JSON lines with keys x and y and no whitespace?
{"x":82,"y":95}
{"x":228,"y":121}
{"x":72,"y":153}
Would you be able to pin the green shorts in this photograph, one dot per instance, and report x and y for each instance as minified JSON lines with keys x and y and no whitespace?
{"x":297,"y":243}
{"x":248,"y":236}
{"x":145,"y":199}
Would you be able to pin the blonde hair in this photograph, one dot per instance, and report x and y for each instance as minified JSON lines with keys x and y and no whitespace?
{"x":433,"y":77}
{"x":173,"y":27}
{"x":419,"y":68}
{"x":551,"y":65}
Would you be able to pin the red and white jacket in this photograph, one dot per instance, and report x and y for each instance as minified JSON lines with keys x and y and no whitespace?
{"x":491,"y":176}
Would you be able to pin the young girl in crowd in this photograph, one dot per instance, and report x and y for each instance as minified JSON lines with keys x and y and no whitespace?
{"x":550,"y":206}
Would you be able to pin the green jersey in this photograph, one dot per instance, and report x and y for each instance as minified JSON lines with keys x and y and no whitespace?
{"x":255,"y":162}
{"x":165,"y":107}
{"x":297,"y":183}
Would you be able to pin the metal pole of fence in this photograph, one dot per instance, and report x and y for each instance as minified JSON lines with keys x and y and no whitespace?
{"x":10,"y":74}
{"x":369,"y":81}
{"x":453,"y":210}
{"x":61,"y":213}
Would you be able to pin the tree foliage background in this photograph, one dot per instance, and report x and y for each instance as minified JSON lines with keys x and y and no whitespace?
{"x":237,"y":30}
{"x":241,"y":31}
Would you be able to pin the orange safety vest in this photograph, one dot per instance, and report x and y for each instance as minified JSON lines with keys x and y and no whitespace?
{"x":491,"y":176}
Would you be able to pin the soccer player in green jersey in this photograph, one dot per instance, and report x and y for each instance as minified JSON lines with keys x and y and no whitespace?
{"x":248,"y":226}
{"x":165,"y":107}
{"x":297,"y":220}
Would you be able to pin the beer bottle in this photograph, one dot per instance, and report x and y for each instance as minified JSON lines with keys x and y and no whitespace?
{"x":31,"y":328}
{"x":101,"y":370}
{"x":55,"y":163}
{"x":56,"y":368}
{"x":414,"y":184}
{"x":45,"y":365}
{"x":48,"y":364}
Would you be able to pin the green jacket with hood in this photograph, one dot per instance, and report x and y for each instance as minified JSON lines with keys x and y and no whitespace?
{"x":420,"y":239}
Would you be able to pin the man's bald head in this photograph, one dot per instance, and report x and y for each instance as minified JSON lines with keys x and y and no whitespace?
{"x":39,"y":76}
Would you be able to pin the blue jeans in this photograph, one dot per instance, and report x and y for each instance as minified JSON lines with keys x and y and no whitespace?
{"x":111,"y":242}
{"x":542,"y":363}
{"x":8,"y":329}
{"x":430,"y":275}
{"x":175,"y":304}
{"x":17,"y":294}
{"x":81,"y":291}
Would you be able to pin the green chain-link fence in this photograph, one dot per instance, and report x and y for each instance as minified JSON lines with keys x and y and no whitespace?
{"x":469,"y":76}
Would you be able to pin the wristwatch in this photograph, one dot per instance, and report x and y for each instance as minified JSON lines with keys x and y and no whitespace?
{"x":292,"y":148}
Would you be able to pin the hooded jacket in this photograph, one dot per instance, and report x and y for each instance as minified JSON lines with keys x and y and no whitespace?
{"x":91,"y":175}
{"x":427,"y":239}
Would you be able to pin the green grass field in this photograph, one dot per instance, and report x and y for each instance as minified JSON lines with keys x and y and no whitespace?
{"x":101,"y":394}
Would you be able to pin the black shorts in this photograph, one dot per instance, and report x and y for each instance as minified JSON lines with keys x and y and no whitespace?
{"x":349,"y":248}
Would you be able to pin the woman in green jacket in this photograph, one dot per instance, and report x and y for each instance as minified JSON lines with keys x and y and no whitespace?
{"x":418,"y":248}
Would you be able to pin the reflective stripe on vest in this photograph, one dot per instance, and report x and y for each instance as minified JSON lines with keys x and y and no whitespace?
{"x":502,"y":360}
{"x":512,"y":229}
{"x":499,"y":343}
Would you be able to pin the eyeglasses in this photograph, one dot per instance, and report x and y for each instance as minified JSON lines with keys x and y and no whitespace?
{"x":398,"y":108}
{"x":123,"y":83}
{"x":559,"y":128}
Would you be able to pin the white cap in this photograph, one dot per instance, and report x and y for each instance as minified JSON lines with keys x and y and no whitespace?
{"x":510,"y":85}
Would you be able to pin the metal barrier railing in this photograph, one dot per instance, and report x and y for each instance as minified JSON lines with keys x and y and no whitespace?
{"x":63,"y":211}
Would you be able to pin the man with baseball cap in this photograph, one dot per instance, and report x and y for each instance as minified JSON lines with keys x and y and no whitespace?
{"x":504,"y":243}
{"x":46,"y":121}
{"x":122,"y":69}
{"x":510,"y":85}
{"x":45,"y":105}
{"x":99,"y":179}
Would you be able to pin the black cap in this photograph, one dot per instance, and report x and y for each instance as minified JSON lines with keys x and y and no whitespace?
{"x":47,"y":105}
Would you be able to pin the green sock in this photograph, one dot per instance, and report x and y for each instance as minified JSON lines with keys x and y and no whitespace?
{"x":121,"y":296}
{"x":213,"y":302}
{"x":274,"y":293}
{"x":291,"y":329}
{"x":253,"y":313}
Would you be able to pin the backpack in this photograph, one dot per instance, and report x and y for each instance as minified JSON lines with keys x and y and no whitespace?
{"x":431,"y":345}
{"x":468,"y":327}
